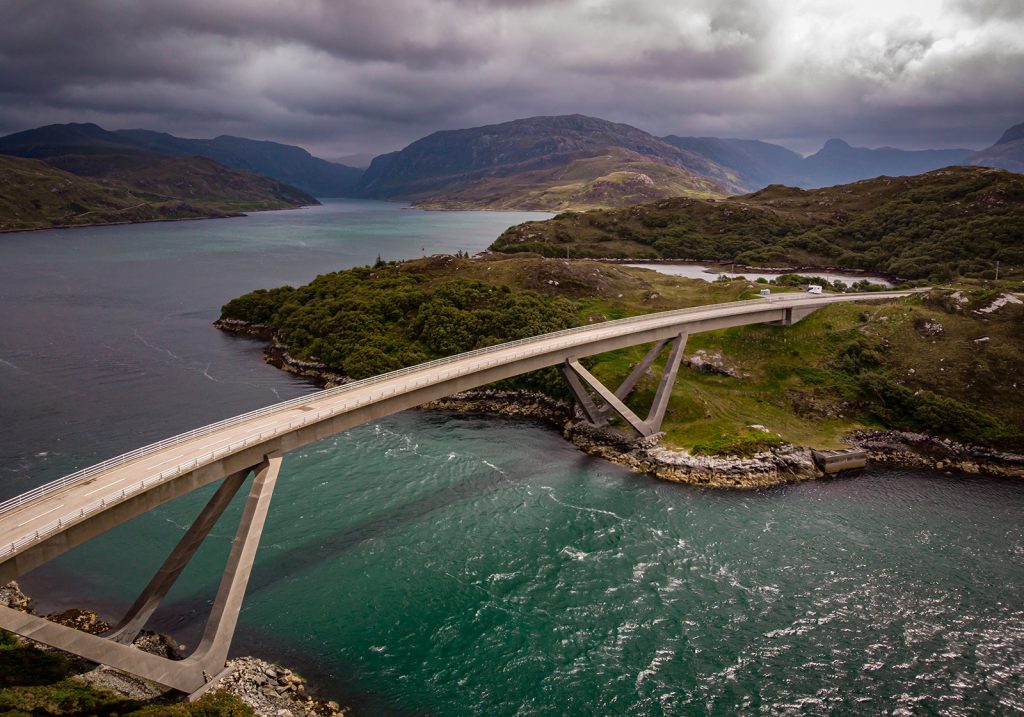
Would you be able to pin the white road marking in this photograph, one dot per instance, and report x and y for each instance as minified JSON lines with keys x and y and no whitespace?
{"x":41,"y":515}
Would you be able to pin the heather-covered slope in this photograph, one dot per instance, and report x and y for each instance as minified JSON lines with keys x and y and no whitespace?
{"x":954,"y":221}
{"x":84,"y":148}
{"x":36,"y":195}
{"x":518,"y":162}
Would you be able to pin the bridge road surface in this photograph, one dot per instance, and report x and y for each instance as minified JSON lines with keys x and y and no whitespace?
{"x":31,"y":526}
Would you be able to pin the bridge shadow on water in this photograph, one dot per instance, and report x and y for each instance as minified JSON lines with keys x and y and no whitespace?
{"x":184,"y":616}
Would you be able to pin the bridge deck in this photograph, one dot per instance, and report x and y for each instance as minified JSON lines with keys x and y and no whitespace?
{"x":51,"y":510}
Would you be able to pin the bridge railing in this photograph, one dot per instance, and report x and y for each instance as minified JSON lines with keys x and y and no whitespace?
{"x":142,"y":452}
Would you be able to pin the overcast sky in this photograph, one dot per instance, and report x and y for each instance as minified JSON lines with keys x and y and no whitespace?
{"x":353,"y":76}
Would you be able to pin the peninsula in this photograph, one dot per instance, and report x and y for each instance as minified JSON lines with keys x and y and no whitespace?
{"x":756,"y":391}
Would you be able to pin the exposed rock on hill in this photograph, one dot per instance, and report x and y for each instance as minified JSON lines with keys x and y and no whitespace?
{"x":541,"y":162}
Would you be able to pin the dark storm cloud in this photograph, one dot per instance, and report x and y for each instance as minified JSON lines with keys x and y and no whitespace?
{"x":991,"y":9}
{"x":372,"y":75}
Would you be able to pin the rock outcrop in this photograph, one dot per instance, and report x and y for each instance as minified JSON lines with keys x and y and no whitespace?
{"x":917,"y":450}
{"x":786,"y":464}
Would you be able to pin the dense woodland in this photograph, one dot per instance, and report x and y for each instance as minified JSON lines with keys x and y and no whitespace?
{"x":367,"y":321}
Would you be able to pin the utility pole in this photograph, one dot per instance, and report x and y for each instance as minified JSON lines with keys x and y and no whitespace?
{"x":997,"y":271}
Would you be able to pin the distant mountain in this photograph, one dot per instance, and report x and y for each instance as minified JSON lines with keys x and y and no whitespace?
{"x":1007,"y":153}
{"x":758,"y":163}
{"x":839,"y":163}
{"x":37,"y":195}
{"x":528,"y":163}
{"x":284,"y":162}
{"x":615,"y":178}
{"x":67,"y":145}
{"x":359,"y":160}
{"x":937,"y":225}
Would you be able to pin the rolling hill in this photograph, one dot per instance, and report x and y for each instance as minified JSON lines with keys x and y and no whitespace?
{"x":37,"y":195}
{"x":83,"y":149}
{"x":542,"y":163}
{"x":948,"y":222}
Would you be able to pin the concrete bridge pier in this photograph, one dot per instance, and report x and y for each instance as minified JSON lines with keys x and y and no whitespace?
{"x":194,"y":672}
{"x":581,"y":381}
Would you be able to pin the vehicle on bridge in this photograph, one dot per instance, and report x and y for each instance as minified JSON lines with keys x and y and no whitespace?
{"x":52,"y":519}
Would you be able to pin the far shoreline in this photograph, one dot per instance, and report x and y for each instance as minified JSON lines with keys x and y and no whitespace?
{"x":168,"y":220}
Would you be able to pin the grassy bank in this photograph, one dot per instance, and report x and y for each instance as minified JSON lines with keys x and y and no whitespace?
{"x":38,"y":684}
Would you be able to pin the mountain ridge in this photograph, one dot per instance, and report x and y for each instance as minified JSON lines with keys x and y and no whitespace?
{"x":453,"y":160}
{"x":285,"y":163}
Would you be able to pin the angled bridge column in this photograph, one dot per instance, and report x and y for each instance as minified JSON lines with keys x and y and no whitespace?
{"x":580,"y":380}
{"x":208,"y":660}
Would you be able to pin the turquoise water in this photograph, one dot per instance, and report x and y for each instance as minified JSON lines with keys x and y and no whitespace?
{"x":435,"y":563}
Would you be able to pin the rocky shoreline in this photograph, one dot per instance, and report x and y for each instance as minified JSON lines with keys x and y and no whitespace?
{"x":916,"y":450}
{"x":784,"y":464}
{"x":727,"y":266}
{"x":270,"y":689}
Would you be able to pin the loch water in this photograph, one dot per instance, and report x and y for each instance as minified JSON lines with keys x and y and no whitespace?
{"x":434,"y":563}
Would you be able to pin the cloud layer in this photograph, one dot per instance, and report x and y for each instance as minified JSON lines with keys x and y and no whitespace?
{"x":352,"y":76}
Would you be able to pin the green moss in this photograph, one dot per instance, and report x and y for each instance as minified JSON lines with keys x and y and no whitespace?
{"x":38,"y":683}
{"x":744,"y":445}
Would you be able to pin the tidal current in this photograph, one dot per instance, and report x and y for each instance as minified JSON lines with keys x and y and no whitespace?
{"x":438,"y":563}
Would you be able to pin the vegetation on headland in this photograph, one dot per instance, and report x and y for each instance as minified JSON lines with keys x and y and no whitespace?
{"x":954,"y":222}
{"x":38,"y":684}
{"x":931,"y":364}
{"x":36,"y":195}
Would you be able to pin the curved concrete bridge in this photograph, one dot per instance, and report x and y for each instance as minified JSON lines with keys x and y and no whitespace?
{"x":50,"y":520}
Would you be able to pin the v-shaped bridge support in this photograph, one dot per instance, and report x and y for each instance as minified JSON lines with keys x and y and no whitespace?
{"x":195,"y":671}
{"x":581,"y":382}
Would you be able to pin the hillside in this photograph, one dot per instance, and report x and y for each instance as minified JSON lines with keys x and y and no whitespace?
{"x":617,"y":178}
{"x":83,"y":149}
{"x":757,"y":163}
{"x":912,"y":364}
{"x":955,"y":221}
{"x":530,"y":159}
{"x":36,"y":195}
{"x":286,"y":163}
{"x":1006,"y":153}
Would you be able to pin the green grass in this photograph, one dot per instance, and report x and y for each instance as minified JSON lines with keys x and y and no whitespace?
{"x":845,"y":367}
{"x":743,"y":445}
{"x":819,"y":379}
{"x":39,"y":684}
